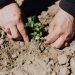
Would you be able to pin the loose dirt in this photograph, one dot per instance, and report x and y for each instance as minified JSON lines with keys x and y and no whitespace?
{"x":37,"y":58}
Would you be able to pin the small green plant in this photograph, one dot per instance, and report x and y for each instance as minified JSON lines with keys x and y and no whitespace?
{"x":34,"y":28}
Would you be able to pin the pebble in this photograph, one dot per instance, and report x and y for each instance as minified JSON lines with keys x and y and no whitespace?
{"x":42,"y":47}
{"x":14,"y":56}
{"x":21,"y":44}
{"x":2,"y":35}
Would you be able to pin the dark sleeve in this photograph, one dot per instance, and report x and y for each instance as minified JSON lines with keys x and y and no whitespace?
{"x":2,"y":1}
{"x":68,"y":6}
{"x":6,"y":1}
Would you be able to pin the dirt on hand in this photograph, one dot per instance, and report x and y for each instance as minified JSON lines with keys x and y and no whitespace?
{"x":37,"y":58}
{"x":19,"y":2}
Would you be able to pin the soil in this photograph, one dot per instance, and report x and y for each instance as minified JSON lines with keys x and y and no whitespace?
{"x":19,"y":2}
{"x":37,"y":58}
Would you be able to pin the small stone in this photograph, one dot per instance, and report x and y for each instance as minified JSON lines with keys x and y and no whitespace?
{"x":62,"y":59}
{"x":14,"y":56}
{"x":2,"y":35}
{"x":42,"y":47}
{"x":21,"y":44}
{"x":66,"y":44}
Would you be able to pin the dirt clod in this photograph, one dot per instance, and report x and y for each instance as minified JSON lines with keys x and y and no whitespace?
{"x":37,"y":58}
{"x":62,"y":59}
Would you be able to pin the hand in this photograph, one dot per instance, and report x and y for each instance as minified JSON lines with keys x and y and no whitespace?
{"x":61,"y":29}
{"x":11,"y":22}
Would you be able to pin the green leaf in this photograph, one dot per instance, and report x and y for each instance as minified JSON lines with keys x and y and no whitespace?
{"x":36,"y":33}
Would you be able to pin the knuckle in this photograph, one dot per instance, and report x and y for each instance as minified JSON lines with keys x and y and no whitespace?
{"x":15,"y":36}
{"x":17,"y":18}
{"x":59,"y":31}
{"x":68,"y":36}
{"x":23,"y":34}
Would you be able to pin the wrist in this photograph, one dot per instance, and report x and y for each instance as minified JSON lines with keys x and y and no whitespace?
{"x":68,"y":6}
{"x":67,"y":14}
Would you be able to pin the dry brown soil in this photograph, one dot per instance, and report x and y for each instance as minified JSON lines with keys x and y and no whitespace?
{"x":37,"y":58}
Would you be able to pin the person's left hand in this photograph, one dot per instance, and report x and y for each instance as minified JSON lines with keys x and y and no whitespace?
{"x":61,"y":29}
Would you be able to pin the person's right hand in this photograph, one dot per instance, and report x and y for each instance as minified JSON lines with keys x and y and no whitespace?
{"x":11,"y":22}
{"x":61,"y":29}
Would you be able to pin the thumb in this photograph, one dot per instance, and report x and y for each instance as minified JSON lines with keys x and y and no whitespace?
{"x":59,"y":42}
{"x":21,"y":28}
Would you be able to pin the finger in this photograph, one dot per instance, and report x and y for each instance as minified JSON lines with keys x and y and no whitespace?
{"x":70,"y":36}
{"x":9,"y":36}
{"x":59,"y":42}
{"x":14,"y":32}
{"x":22,"y":31}
{"x":52,"y":37}
{"x":7,"y":31}
{"x":51,"y":26}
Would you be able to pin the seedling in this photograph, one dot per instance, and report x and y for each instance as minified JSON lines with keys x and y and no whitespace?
{"x":34,"y":28}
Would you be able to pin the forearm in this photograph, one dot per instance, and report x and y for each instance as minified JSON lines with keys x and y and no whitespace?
{"x":68,"y":6}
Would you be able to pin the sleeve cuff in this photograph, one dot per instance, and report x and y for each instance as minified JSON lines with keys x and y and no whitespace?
{"x":68,"y":6}
{"x":6,"y":1}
